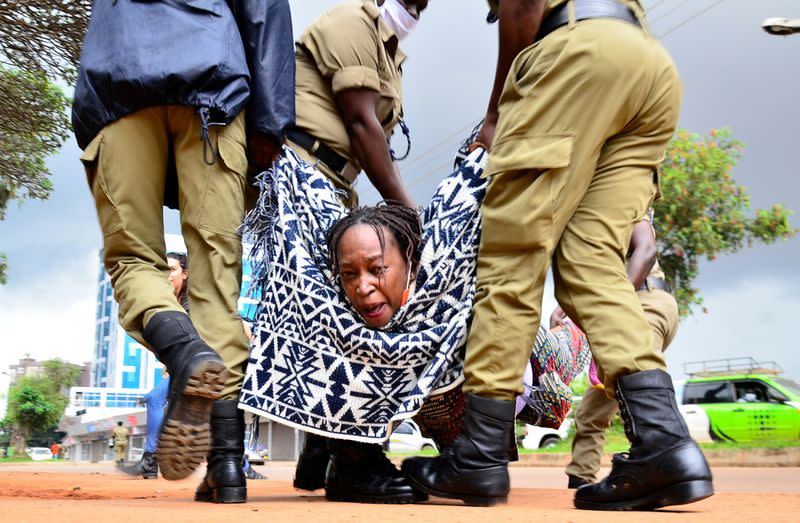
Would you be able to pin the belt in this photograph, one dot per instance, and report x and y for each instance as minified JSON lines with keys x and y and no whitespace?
{"x":584,"y":10}
{"x":315,"y":147}
{"x":655,"y":283}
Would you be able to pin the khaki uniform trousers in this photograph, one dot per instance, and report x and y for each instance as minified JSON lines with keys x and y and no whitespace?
{"x":596,"y":409}
{"x":119,"y":450}
{"x":585,"y":117}
{"x":127,"y":166}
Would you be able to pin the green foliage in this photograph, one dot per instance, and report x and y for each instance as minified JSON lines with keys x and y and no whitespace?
{"x":29,"y":408}
{"x":579,"y":386}
{"x":36,"y":403}
{"x":703,"y":212}
{"x":40,"y":43}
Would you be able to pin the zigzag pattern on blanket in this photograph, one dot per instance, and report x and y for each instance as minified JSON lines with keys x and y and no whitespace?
{"x":313,"y":363}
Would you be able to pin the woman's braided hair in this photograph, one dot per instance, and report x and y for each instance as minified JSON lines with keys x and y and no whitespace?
{"x":402,"y":221}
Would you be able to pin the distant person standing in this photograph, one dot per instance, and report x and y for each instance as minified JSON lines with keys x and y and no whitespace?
{"x":661,"y":310}
{"x":120,"y":442}
{"x":174,"y":103}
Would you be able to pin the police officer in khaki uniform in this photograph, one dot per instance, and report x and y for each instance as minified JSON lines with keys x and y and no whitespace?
{"x":349,"y":100}
{"x":349,"y":94}
{"x":661,"y":310}
{"x":120,"y":442}
{"x":180,"y":95}
{"x":584,"y":103}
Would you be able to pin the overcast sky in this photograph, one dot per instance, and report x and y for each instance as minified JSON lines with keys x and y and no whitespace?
{"x":734,"y":75}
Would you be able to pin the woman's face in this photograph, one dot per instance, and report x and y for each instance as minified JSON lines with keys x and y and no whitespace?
{"x":176,"y":275}
{"x":374,"y":281}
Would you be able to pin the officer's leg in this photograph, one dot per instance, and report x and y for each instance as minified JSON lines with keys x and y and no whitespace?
{"x":661,"y":311}
{"x":591,"y":421}
{"x":592,"y":286}
{"x":126,"y":166}
{"x":211,"y":198}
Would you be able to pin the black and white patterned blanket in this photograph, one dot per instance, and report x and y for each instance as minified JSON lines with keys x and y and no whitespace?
{"x":314,"y":364}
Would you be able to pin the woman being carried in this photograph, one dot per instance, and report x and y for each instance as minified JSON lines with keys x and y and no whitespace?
{"x":336,"y":362}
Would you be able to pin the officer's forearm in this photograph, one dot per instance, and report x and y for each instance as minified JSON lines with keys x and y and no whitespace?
{"x":370,"y":147}
{"x":519,"y":22}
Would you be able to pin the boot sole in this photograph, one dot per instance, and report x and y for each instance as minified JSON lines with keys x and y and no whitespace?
{"x":383,"y":500}
{"x":307,"y":486}
{"x":474,"y":501}
{"x":184,"y":439}
{"x":678,"y":494}
{"x":223,"y":495}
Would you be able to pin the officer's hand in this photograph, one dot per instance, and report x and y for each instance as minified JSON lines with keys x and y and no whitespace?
{"x":262,"y":151}
{"x":486,"y":134}
{"x":558,"y":317}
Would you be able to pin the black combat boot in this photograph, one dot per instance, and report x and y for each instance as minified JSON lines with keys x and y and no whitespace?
{"x":312,"y":463}
{"x":475,"y":468}
{"x":664,"y":466}
{"x":147,"y":467}
{"x":225,"y":480}
{"x":197,"y":377}
{"x":575,"y":482}
{"x":361,"y":473}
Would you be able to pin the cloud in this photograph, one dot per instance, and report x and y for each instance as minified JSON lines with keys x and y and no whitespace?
{"x":51,"y":316}
{"x":754,"y":317}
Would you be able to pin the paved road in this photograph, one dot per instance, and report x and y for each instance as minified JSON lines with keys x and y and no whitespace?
{"x":65,"y":492}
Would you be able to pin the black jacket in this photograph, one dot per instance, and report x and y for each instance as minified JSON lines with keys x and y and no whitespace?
{"x":222,"y":55}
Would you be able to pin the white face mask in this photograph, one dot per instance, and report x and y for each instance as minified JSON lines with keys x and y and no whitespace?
{"x":397,"y":18}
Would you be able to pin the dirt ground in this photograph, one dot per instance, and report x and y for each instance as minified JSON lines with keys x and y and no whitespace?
{"x":67,"y":492}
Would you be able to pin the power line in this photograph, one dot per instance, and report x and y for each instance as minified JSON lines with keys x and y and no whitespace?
{"x":429,"y":150}
{"x":674,"y":28}
{"x":650,"y":9}
{"x":675,"y":8}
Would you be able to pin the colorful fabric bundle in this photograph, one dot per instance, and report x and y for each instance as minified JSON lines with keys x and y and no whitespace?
{"x":557,"y":357}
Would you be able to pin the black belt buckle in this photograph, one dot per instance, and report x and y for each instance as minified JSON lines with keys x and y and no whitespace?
{"x":317,"y":148}
{"x":585,"y":10}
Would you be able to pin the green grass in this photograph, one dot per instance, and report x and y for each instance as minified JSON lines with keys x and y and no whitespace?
{"x":16,"y":459}
{"x":617,"y":442}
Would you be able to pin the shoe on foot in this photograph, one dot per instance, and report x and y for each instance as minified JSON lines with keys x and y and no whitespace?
{"x":664,"y":466}
{"x":312,"y":463}
{"x":361,"y":473}
{"x":197,"y":377}
{"x":475,"y":468}
{"x":147,"y":467}
{"x":225,"y":480}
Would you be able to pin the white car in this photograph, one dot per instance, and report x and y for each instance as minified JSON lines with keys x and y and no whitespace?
{"x":39,"y":453}
{"x":408,"y":438}
{"x":542,"y":438}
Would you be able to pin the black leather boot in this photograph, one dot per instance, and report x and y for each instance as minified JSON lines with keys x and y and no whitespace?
{"x":475,"y":468}
{"x":664,"y":466}
{"x":575,"y":482}
{"x":147,"y":467}
{"x":197,"y":377}
{"x":361,"y":473}
{"x":225,"y":480}
{"x":312,"y":463}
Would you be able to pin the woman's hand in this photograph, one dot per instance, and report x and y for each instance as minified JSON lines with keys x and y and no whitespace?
{"x":557,"y":318}
{"x":486,"y":134}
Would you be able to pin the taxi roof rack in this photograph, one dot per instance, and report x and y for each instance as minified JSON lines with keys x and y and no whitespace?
{"x":725,"y":366}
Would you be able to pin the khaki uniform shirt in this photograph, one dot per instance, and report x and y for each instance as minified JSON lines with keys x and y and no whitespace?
{"x":635,"y":6}
{"x":347,"y":47}
{"x":120,"y":435}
